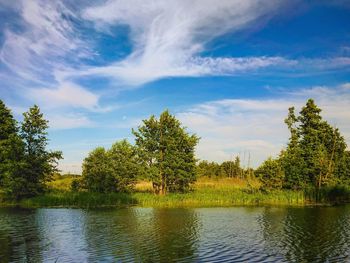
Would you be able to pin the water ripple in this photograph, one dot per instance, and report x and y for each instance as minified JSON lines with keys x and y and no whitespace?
{"x":319,"y":234}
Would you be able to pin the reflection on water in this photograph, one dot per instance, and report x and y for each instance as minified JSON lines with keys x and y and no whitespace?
{"x":319,"y":234}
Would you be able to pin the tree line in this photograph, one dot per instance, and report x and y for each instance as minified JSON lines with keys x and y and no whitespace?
{"x":164,"y":153}
{"x":224,"y":169}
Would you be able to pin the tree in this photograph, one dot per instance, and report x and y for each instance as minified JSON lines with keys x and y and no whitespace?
{"x":315,"y":150}
{"x":112,"y":170}
{"x":231,"y":168}
{"x":11,"y":148}
{"x":291,"y":159}
{"x":168,"y":153}
{"x":125,"y":164}
{"x":342,"y":170}
{"x":40,"y":164}
{"x":208,"y":169}
{"x":97,"y":171}
{"x":271,"y":174}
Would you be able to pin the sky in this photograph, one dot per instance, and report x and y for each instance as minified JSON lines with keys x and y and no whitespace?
{"x":228,"y":70}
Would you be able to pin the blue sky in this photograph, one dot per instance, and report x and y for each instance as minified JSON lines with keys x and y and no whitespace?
{"x":228,"y":70}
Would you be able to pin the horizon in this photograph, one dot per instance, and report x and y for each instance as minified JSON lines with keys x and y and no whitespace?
{"x":228,"y":73}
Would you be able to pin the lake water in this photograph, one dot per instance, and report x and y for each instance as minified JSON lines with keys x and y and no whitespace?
{"x":240,"y":234}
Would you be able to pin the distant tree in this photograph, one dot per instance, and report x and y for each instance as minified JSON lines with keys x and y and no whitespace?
{"x":168,"y":153}
{"x":97,"y":171}
{"x":114,"y":170}
{"x":208,"y":169}
{"x":231,"y":168}
{"x":271,"y":174}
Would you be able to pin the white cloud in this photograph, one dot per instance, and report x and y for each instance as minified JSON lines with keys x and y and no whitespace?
{"x":68,"y":121}
{"x":72,"y":168}
{"x":168,"y":39}
{"x":168,"y":36}
{"x":256,"y":126}
{"x":44,"y":42}
{"x":67,"y":94}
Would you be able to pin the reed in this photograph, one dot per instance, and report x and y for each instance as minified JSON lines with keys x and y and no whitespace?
{"x":205,"y":193}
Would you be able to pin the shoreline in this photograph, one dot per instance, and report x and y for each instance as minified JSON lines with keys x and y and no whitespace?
{"x":186,"y":200}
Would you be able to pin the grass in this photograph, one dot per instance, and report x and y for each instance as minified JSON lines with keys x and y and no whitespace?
{"x":206,"y":192}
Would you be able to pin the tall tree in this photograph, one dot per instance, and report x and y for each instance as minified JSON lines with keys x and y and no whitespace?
{"x":315,"y":150}
{"x":11,"y":148}
{"x":291,"y":159}
{"x":40,"y":163}
{"x":168,"y":152}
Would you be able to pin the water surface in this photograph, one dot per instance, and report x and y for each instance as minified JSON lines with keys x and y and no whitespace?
{"x":241,"y":234}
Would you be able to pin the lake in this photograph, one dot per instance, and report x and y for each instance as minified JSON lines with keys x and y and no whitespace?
{"x":239,"y":234}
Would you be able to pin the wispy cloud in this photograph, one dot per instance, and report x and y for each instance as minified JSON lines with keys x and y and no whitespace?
{"x":69,"y":121}
{"x":66,"y":94}
{"x":45,"y":53}
{"x":255,"y":126}
{"x":43,"y":41}
{"x":168,"y":37}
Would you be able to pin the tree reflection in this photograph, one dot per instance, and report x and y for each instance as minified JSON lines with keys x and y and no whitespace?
{"x":142,"y":235}
{"x":317,"y":234}
{"x":19,"y":236}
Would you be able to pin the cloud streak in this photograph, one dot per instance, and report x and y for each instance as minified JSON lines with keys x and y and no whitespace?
{"x":168,"y":37}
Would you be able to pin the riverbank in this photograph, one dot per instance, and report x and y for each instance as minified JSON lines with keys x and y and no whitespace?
{"x":206,"y":193}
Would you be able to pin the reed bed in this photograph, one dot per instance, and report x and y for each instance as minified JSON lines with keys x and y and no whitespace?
{"x":206,"y":192}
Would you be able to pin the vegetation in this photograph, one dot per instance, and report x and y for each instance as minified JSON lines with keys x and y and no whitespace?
{"x":225,"y":169}
{"x":271,"y":174}
{"x":206,"y":192}
{"x":167,"y":151}
{"x":26,"y":165}
{"x":113,"y":170}
{"x":161,"y":170}
{"x":315,"y":156}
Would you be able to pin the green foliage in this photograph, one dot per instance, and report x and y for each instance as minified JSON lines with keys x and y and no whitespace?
{"x":26,"y":164}
{"x":76,"y":185}
{"x":315,"y":155}
{"x":167,"y":151}
{"x":342,"y":169}
{"x":271,"y":174}
{"x":40,"y":164}
{"x":125,"y":164}
{"x":225,"y":169}
{"x":114,"y":170}
{"x":231,"y":168}
{"x":208,"y":169}
{"x":11,"y":149}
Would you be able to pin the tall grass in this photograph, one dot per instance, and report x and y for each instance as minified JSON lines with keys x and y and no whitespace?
{"x":205,"y":193}
{"x":78,"y":199}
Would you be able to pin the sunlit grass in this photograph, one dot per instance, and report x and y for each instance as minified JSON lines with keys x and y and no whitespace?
{"x":206,"y":192}
{"x":61,"y":183}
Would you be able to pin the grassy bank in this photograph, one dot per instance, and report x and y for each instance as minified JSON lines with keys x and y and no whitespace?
{"x":205,"y":193}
